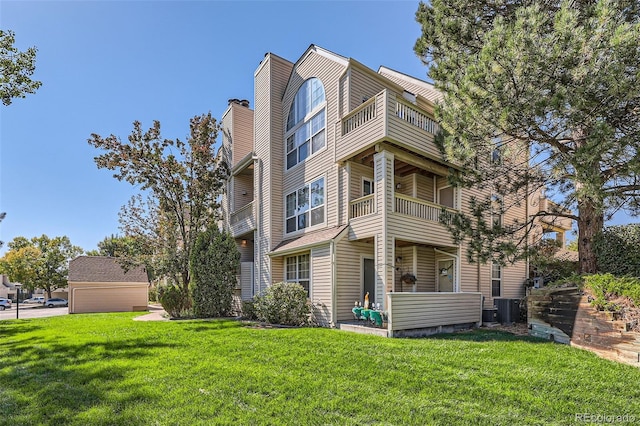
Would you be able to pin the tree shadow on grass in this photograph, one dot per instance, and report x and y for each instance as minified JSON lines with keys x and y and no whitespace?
{"x":51,"y":383}
{"x":479,"y":335}
{"x":16,"y":328}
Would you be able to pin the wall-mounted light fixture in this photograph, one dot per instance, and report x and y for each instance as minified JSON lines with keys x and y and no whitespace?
{"x":398,"y":185}
{"x":243,"y":243}
{"x":244,"y":192}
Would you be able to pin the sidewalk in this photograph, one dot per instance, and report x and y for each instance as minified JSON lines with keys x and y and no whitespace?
{"x":156,"y":313}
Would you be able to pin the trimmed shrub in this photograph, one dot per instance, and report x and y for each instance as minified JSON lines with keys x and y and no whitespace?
{"x":283,"y":303}
{"x":174,"y":301}
{"x":215,"y":260}
{"x":249,"y":310}
{"x":617,"y":250}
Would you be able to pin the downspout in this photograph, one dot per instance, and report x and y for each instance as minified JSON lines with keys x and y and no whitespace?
{"x":457,"y":258}
{"x":334,"y":277}
{"x":258,"y":204}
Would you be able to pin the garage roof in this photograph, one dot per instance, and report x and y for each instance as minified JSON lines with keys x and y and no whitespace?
{"x":104,"y":269}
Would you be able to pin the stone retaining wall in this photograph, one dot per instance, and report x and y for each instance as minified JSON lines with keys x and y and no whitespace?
{"x":565,"y":315}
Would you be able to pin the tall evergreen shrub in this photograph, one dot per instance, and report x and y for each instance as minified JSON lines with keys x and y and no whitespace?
{"x":618,"y":250}
{"x":215,"y":260}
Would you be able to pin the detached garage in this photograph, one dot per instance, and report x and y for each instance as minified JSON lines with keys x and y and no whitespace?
{"x":100,"y":284}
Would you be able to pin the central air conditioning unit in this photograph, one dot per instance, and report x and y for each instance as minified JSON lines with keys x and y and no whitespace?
{"x":508,"y":310}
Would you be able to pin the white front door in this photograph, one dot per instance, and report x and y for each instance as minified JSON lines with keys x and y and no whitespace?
{"x":445,"y":271}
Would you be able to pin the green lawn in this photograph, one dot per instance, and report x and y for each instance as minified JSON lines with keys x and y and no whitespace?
{"x":106,"y":369}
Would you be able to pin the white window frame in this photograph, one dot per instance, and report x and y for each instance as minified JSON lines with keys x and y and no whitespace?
{"x":305,"y":122}
{"x":496,"y":268}
{"x":372,"y":186}
{"x":299,"y":273}
{"x":310,"y":209}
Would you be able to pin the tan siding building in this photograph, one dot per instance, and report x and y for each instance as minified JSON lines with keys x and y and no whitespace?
{"x":341,"y":189}
{"x":100,"y":284}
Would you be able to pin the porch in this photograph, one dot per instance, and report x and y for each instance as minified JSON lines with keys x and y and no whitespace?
{"x":423,"y":314}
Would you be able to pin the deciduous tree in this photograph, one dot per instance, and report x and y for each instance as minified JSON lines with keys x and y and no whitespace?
{"x":180,"y":182}
{"x":16,"y":69}
{"x":559,"y":78}
{"x":40,"y":262}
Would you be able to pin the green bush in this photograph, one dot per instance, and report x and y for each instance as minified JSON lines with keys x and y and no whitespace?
{"x":153,"y":293}
{"x":617,"y":250}
{"x":249,"y":310}
{"x":283,"y":303}
{"x":604,"y":286}
{"x":545,"y":263}
{"x":215,"y":260}
{"x":174,"y":301}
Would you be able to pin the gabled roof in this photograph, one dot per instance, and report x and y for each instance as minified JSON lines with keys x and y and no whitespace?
{"x":104,"y":269}
{"x":412,"y":84}
{"x":308,"y":240}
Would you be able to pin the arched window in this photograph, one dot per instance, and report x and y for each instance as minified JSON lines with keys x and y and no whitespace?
{"x":305,"y":133}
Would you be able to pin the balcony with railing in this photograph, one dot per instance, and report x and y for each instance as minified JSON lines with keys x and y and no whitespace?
{"x":387,"y":116}
{"x":550,"y":207}
{"x":362,"y":206}
{"x":421,"y":209}
{"x":243,"y":220}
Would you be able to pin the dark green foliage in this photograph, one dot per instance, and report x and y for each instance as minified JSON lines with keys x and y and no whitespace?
{"x":249,"y":310}
{"x":606,"y":286}
{"x":618,"y":250}
{"x":544,"y":262}
{"x":554,"y":86}
{"x":175,"y":301}
{"x":283,"y":303}
{"x":215,"y":260}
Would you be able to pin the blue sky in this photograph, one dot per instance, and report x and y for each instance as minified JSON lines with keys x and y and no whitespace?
{"x":105,"y":64}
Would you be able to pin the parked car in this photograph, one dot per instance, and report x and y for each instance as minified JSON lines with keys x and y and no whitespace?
{"x":36,"y":299}
{"x":55,"y":301}
{"x":5,"y":304}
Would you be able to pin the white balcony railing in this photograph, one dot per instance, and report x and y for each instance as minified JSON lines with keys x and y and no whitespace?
{"x":362,"y":206}
{"x":244,"y":212}
{"x":411,"y":115}
{"x":420,"y":209}
{"x":359,"y":116}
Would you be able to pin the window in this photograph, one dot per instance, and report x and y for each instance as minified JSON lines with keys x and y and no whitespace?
{"x":496,"y":153}
{"x":496,"y":280}
{"x":305,"y":133}
{"x":298,"y":270}
{"x":305,"y":206}
{"x":368,"y":187}
{"x":497,"y":206}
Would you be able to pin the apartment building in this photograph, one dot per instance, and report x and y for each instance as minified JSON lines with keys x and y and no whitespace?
{"x":336,"y":184}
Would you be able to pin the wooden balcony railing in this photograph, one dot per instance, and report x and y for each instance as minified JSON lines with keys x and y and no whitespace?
{"x":411,"y":115}
{"x":362,"y":206}
{"x":359,"y":116}
{"x":420,"y":208}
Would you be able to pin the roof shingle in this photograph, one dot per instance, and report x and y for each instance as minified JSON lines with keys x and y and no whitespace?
{"x":104,"y":269}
